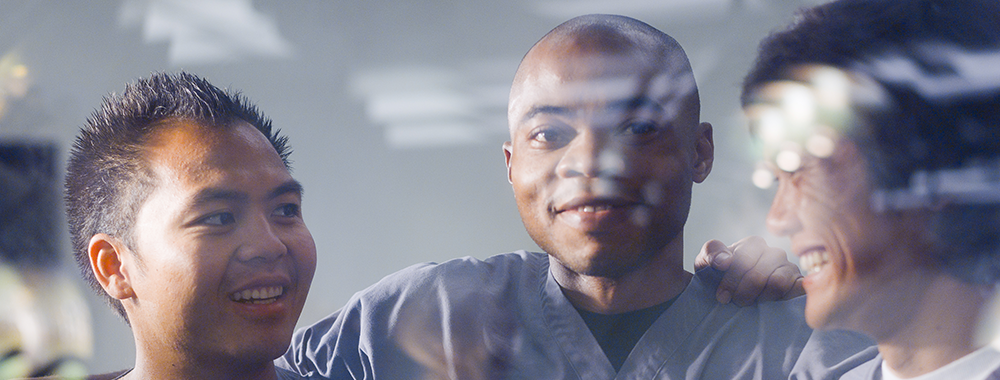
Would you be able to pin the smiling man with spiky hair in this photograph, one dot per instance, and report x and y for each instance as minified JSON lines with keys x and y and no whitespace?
{"x":184,"y":215}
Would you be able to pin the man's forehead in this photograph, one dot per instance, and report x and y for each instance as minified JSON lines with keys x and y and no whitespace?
{"x":666,"y":88}
{"x":175,"y":133}
{"x":189,"y":150}
{"x":609,"y":88}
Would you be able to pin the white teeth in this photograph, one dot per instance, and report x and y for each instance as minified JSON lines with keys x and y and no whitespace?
{"x":814,"y":261}
{"x":258,"y":295}
{"x":593,"y":208}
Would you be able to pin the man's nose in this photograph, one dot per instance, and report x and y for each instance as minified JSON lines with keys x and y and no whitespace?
{"x":782,"y":218}
{"x":261,"y":241}
{"x":590,"y":154}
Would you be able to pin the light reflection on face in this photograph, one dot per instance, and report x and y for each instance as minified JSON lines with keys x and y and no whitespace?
{"x":852,"y":254}
{"x":846,"y":249}
{"x":602,"y":157}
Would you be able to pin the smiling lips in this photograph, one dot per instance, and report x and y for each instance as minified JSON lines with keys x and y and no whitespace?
{"x":261,"y":295}
{"x":592,"y":205}
{"x":593,"y":208}
{"x":593,"y":215}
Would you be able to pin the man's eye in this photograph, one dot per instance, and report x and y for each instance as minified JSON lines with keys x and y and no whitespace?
{"x":546,"y":136}
{"x":551,"y":137}
{"x":220,"y":219}
{"x":288,"y":210}
{"x":639,"y":128}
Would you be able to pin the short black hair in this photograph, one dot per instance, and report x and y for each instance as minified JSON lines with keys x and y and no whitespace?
{"x":843,"y":32}
{"x":108,"y":178}
{"x":919,"y":129}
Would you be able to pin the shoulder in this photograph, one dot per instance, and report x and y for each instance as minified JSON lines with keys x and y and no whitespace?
{"x":495,"y":269}
{"x":779,"y":324}
{"x":415,"y":289}
{"x":869,"y":369}
{"x":838,"y":354}
{"x":702,"y":289}
{"x":422,"y":309}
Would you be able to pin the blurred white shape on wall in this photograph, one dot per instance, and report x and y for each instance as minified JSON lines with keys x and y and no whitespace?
{"x":434,"y":107}
{"x":206,"y":31}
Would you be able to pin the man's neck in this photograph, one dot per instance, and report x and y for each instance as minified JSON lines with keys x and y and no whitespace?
{"x":941,"y":329}
{"x":171,"y":365}
{"x":657,"y":281}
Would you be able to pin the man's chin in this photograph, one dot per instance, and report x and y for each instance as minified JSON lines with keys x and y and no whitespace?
{"x":261,"y":348}
{"x":264,"y":354}
{"x":601,"y":267}
{"x":821,"y":318}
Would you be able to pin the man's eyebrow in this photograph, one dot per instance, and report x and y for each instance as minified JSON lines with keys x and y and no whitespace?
{"x":292,"y":186}
{"x":215,"y":194}
{"x":628,"y":105}
{"x":636,"y":103}
{"x":536,"y":110}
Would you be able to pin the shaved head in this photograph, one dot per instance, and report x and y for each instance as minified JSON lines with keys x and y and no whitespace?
{"x":606,"y":143}
{"x":609,"y":35}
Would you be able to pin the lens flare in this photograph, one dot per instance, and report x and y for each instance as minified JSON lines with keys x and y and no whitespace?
{"x":788,"y":161}
{"x":763,"y":178}
{"x":820,"y":146}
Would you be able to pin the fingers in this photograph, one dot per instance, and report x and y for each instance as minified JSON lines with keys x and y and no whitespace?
{"x":796,"y":290}
{"x":742,"y":281}
{"x":752,"y":271}
{"x":715,"y":254}
{"x":781,"y":284}
{"x":770,"y":278}
{"x":759,"y":273}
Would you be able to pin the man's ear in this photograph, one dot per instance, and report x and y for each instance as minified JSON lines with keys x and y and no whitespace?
{"x":507,"y":146}
{"x":704,"y":151}
{"x":106,"y":260}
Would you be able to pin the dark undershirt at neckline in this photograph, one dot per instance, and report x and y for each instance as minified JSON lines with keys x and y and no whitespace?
{"x":617,"y":334}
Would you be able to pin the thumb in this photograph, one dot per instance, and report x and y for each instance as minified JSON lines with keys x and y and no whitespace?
{"x":714,"y":253}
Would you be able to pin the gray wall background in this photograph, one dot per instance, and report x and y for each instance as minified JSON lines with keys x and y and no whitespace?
{"x":395,"y":110}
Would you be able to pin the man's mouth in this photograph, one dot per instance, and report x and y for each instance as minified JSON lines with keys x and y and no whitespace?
{"x":814,"y":260}
{"x":593,"y":205}
{"x":258,"y":296}
{"x":594,"y":208}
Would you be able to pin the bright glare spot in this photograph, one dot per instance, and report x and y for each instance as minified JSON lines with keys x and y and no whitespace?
{"x":799,"y":104}
{"x":989,"y":324}
{"x":820,"y":146}
{"x":611,"y":162}
{"x":832,"y":87}
{"x":788,"y":161}
{"x":763,"y":178}
{"x":771,"y":125}
{"x":19,"y":71}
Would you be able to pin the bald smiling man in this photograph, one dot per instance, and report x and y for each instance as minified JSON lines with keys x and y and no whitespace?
{"x":606,"y":144}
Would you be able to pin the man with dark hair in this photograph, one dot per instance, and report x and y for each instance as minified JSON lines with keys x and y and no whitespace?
{"x":183,"y":213}
{"x":605,"y":147}
{"x":881,"y":121}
